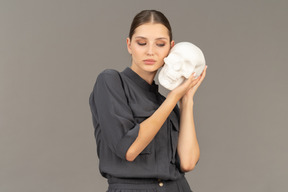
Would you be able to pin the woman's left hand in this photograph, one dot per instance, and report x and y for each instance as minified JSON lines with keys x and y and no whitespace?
{"x":190,"y":94}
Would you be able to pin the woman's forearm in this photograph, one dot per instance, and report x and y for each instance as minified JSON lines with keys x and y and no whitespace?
{"x":150,"y":127}
{"x":188,"y":147}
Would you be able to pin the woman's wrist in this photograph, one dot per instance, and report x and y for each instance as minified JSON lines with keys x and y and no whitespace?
{"x":175,"y":97}
{"x":186,"y":104}
{"x":187,"y":100}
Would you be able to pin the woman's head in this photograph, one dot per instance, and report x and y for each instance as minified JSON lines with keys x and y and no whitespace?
{"x":149,"y":41}
{"x":150,"y":16}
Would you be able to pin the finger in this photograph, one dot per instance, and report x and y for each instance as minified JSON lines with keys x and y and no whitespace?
{"x":187,"y":82}
{"x":203,"y":74}
{"x":191,"y":78}
{"x":199,"y":80}
{"x":192,"y":81}
{"x":195,"y":82}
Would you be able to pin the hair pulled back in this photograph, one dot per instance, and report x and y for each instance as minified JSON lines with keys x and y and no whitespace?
{"x":149,"y":16}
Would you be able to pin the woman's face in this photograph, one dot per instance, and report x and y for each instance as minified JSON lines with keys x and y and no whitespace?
{"x":149,"y":45}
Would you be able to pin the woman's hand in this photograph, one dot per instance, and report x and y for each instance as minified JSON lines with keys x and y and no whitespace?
{"x":188,"y":88}
{"x":191,"y":92}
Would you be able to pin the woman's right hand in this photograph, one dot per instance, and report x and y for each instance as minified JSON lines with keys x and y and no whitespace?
{"x":180,"y":91}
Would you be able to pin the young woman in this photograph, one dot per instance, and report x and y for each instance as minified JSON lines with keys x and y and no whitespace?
{"x":144,"y":141}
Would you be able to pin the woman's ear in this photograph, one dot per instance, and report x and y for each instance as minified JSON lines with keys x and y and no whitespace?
{"x":128,"y":42}
{"x":172,"y":43}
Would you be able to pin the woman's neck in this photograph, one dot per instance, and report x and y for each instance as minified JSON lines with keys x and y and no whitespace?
{"x":146,"y":75}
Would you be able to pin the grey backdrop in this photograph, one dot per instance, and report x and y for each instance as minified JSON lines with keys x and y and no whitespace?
{"x":52,"y":51}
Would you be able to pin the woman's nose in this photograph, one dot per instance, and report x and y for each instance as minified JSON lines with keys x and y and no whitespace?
{"x":150,"y":50}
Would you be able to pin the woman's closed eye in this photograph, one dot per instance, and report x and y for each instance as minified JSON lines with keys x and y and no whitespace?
{"x":141,"y":43}
{"x":161,"y":44}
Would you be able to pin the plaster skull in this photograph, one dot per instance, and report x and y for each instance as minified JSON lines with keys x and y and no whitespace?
{"x":184,"y":59}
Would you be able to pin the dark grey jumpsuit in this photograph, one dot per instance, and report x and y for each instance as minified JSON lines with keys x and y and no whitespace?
{"x":119,"y":102}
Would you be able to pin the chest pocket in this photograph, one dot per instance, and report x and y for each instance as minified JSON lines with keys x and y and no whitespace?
{"x":174,"y":133}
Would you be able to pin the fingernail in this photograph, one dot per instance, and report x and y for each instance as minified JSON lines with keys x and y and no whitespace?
{"x":206,"y":66}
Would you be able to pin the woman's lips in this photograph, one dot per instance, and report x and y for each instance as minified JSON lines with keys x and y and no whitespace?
{"x":149,"y":61}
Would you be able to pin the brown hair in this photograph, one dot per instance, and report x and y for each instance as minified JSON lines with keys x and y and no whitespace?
{"x":149,"y":16}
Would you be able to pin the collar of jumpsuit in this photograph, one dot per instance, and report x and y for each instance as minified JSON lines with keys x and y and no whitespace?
{"x":141,"y":82}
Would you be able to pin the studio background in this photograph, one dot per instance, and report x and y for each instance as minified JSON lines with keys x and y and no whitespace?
{"x":52,"y":51}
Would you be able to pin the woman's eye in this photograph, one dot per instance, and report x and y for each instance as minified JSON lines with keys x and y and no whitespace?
{"x":141,"y":44}
{"x":161,"y":44}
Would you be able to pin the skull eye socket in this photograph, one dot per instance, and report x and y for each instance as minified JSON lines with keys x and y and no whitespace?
{"x":186,"y":65}
{"x":187,"y":62}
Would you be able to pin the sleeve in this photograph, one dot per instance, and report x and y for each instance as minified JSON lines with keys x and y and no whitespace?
{"x":114,"y":115}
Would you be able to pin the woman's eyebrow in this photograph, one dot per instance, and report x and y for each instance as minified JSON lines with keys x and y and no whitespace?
{"x":140,"y":37}
{"x":162,"y":38}
{"x":159,"y":38}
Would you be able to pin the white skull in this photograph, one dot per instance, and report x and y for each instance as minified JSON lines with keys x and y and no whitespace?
{"x":183,"y":59}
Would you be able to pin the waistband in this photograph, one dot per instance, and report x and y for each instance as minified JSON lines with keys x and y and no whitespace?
{"x":115,"y":180}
